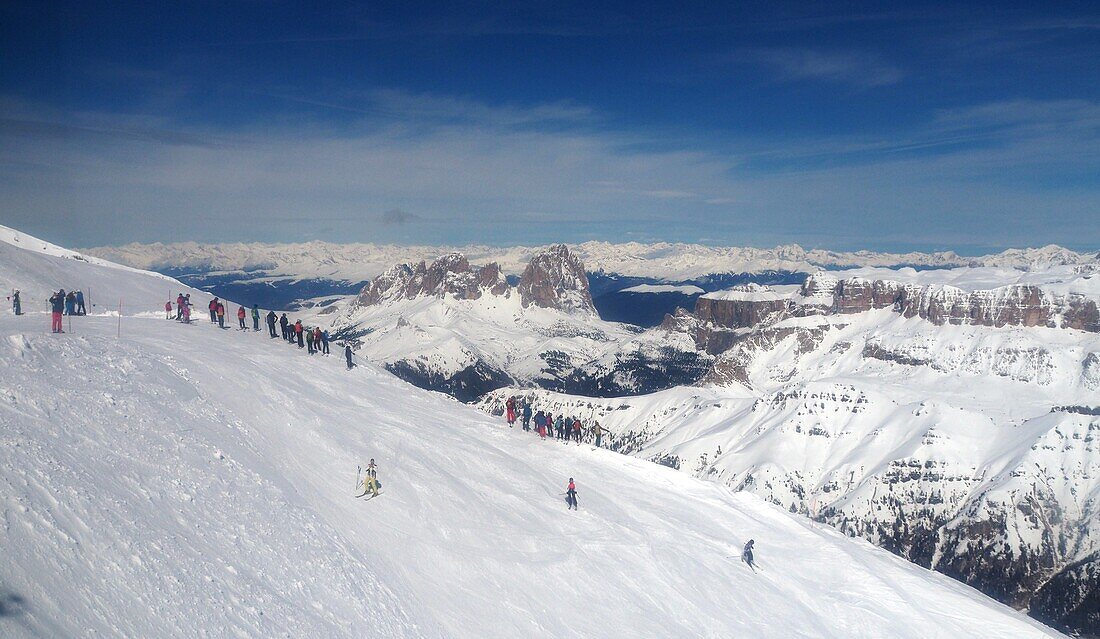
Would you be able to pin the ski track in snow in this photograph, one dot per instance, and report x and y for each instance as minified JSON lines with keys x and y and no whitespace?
{"x":185,"y":481}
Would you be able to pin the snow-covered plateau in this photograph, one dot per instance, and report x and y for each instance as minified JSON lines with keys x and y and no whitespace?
{"x":181,"y":480}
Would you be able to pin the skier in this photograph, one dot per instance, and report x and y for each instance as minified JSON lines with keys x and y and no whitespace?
{"x":57,"y":306}
{"x":168,"y":310}
{"x":240,"y":318}
{"x":214,"y":311}
{"x":186,"y":307}
{"x":577,"y":430}
{"x":298,"y":331}
{"x":16,"y":306}
{"x":571,"y":495}
{"x":283,"y":321}
{"x":219,"y":311}
{"x":271,"y":323}
{"x":559,"y":426}
{"x":597,"y":430}
{"x":255,"y":317}
{"x":547,"y":425}
{"x":746,"y":555}
{"x":370,"y":482}
{"x":324,"y":342}
{"x":347,"y":356}
{"x":527,"y":416}
{"x":510,"y":408}
{"x":70,"y":304}
{"x":309,"y":340}
{"x":80,"y":310}
{"x":179,"y":306}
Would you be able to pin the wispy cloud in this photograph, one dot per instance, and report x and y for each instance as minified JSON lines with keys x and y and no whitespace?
{"x":797,"y":64}
{"x":477,"y":170}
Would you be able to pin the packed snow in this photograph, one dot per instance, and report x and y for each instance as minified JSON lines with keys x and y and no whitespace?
{"x":186,"y":481}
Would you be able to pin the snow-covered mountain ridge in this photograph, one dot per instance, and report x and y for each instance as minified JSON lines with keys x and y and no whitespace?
{"x":464,"y":330}
{"x":182,"y":481}
{"x":664,"y":261}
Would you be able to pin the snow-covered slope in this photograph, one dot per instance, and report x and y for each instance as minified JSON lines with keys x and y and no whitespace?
{"x":968,"y":448}
{"x":186,"y":481}
{"x":38,"y":269}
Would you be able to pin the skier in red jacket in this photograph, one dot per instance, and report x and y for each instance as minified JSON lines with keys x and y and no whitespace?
{"x":240,"y":317}
{"x":571,"y":495}
{"x":510,"y":407}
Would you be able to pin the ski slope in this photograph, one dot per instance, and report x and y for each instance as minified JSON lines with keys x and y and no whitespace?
{"x":189,"y":481}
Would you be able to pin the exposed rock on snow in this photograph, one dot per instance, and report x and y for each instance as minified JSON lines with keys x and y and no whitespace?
{"x":556,"y":279}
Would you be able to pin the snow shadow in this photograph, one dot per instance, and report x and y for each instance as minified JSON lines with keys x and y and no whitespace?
{"x":11,"y":605}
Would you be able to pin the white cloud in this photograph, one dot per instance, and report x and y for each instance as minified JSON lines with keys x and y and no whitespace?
{"x":107,"y":178}
{"x":795,"y":64}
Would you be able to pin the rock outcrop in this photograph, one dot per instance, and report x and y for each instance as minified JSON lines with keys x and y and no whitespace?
{"x":556,"y":278}
{"x":449,"y":275}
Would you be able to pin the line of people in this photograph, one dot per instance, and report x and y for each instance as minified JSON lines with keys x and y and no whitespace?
{"x":545,"y":423}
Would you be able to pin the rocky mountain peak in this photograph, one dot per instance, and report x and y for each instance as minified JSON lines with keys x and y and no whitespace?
{"x":556,"y":278}
{"x":450,"y":274}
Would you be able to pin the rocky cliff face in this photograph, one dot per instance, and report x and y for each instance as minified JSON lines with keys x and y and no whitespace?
{"x":449,"y":275}
{"x":1017,"y":305}
{"x":720,"y":320}
{"x":556,"y":279}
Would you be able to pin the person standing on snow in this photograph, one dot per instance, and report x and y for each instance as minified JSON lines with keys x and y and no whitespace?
{"x":309,"y":341}
{"x":577,"y":430}
{"x":746,"y":555}
{"x":597,"y":430}
{"x":571,"y":495}
{"x":510,"y":410}
{"x":271,"y":323}
{"x":298,"y":330}
{"x":240,"y":318}
{"x":255,"y":317}
{"x":283,"y":321}
{"x":527,"y":416}
{"x":70,"y":304}
{"x":16,"y":306}
{"x":57,"y":307}
{"x":80,"y":310}
{"x":370,"y":482}
{"x":186,"y":308}
{"x":168,"y":310}
{"x":347,"y":356}
{"x":214,"y":311}
{"x":179,"y":306}
{"x":324,"y":342}
{"x":559,"y":426}
{"x":220,"y":312}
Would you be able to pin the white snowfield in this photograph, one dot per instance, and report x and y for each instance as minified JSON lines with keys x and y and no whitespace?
{"x":184,"y":481}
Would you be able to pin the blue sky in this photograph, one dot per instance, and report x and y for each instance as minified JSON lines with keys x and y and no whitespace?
{"x":858,"y":125}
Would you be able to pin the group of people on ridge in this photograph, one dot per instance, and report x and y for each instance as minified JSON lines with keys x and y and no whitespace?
{"x":61,"y":303}
{"x":545,"y":423}
{"x":314,"y":338}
